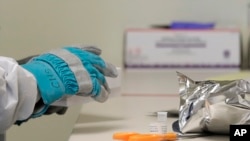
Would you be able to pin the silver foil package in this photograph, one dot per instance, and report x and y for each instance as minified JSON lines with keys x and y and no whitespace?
{"x":212,"y":105}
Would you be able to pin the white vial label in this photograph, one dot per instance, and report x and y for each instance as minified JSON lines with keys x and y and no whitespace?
{"x":158,"y":128}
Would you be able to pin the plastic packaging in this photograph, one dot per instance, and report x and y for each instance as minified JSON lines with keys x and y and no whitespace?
{"x":211,"y":106}
{"x":114,"y":85}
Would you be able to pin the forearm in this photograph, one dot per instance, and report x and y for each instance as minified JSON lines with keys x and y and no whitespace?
{"x":18,"y":93}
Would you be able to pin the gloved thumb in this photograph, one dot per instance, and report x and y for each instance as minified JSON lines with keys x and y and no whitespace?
{"x":92,"y":49}
{"x":88,"y":48}
{"x":105,"y":68}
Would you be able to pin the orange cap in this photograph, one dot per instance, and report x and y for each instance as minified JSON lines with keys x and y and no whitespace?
{"x":146,"y":137}
{"x":123,"y":135}
{"x":170,"y":136}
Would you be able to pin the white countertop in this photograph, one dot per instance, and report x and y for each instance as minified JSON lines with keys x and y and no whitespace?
{"x":143,"y":93}
{"x":127,"y":113}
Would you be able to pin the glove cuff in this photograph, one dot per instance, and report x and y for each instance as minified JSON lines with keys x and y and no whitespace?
{"x":50,"y":86}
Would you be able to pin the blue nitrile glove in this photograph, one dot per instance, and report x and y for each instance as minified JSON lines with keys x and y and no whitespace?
{"x":69,"y":71}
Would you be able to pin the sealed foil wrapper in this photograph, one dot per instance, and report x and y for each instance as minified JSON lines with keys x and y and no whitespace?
{"x":211,"y":105}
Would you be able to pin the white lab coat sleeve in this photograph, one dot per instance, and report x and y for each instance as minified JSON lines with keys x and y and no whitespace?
{"x":18,"y":93}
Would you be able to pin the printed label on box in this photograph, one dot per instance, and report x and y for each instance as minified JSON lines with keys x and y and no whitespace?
{"x":182,"y":48}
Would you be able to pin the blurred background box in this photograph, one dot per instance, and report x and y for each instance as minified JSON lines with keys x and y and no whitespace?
{"x":163,"y":48}
{"x":154,"y":55}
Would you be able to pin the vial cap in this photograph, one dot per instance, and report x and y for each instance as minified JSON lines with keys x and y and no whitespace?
{"x":123,"y":135}
{"x":146,"y":137}
{"x":170,"y":136}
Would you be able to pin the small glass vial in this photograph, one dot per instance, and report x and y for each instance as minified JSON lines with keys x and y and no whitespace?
{"x":160,"y":126}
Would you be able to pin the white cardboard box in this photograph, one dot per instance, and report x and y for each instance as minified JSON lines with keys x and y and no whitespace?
{"x":152,"y":57}
{"x":163,"y":48}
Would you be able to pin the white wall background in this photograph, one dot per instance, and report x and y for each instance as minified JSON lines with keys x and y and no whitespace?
{"x":34,"y":26}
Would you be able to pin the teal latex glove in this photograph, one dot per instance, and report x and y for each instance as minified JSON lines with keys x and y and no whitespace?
{"x":70,"y":71}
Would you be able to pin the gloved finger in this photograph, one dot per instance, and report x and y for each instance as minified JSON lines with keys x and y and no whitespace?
{"x":102,"y":96}
{"x":106,"y":68}
{"x":109,"y":70}
{"x":106,"y":86}
{"x":97,"y":78}
{"x":85,"y":56}
{"x":96,"y":87}
{"x":62,"y":111}
{"x":56,"y":109}
{"x":88,"y":48}
{"x":100,"y":89}
{"x":93,"y":72}
{"x":51,"y":110}
{"x":98,"y":83}
{"x":92,"y":49}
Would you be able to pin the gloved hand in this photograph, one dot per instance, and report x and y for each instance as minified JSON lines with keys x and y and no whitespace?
{"x":60,"y":110}
{"x":71,"y":71}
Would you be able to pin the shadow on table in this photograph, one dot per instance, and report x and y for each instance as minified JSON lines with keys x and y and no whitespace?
{"x":88,"y":118}
{"x":94,"y":129}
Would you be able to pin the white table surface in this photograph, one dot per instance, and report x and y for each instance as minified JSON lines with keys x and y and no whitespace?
{"x":143,"y":93}
{"x":126,"y":113}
